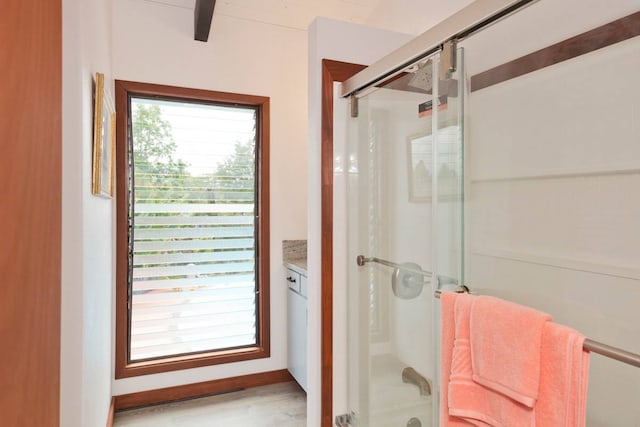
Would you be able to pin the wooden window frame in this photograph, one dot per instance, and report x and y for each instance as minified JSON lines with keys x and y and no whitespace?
{"x":125,"y":368}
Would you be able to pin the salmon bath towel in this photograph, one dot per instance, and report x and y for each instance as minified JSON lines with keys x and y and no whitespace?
{"x":556,"y":394}
{"x":506,"y":342}
{"x":447,"y":337}
{"x":469,"y":400}
{"x":564,"y":376}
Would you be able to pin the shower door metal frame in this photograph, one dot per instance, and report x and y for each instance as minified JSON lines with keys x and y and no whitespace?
{"x":467,"y":21}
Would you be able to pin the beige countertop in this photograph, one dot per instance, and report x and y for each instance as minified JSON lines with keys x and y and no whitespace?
{"x":298,"y":265}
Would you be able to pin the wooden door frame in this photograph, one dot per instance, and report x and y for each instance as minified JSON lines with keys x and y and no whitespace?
{"x":332,"y":71}
{"x":31,"y":217}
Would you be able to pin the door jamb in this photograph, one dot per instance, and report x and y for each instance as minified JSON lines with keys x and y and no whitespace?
{"x":332,"y":71}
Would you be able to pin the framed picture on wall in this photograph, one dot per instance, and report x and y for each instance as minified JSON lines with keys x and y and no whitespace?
{"x":419,"y":165}
{"x":104,"y":122}
{"x":449,"y":161}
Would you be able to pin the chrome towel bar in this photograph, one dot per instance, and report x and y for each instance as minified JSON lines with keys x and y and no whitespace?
{"x":362,"y":260}
{"x":615,"y":353}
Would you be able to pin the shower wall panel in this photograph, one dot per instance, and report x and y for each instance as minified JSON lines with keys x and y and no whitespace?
{"x":553,"y":206}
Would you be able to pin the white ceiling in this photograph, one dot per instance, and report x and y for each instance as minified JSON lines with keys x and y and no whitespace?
{"x":406,"y":16}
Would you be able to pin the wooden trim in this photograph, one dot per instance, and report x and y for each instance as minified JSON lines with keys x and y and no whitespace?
{"x":112,"y":412}
{"x":605,"y":35}
{"x":190,"y":391}
{"x":264,"y":237}
{"x":122,"y":115}
{"x":164,"y":91}
{"x":177,"y":363}
{"x":31,"y":214}
{"x":332,"y":71}
{"x":125,"y":368}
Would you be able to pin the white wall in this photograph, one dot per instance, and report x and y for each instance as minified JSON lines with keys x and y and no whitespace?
{"x":537,"y":26}
{"x":554,"y":210}
{"x":553,"y":207}
{"x":412,"y":16}
{"x":87,"y":224}
{"x":350,"y":43}
{"x":409,"y":225}
{"x":153,"y":43}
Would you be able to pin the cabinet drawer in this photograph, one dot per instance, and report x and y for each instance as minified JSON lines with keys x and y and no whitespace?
{"x":293,"y":280}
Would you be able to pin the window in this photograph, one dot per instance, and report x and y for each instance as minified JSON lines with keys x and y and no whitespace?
{"x":193,"y":228}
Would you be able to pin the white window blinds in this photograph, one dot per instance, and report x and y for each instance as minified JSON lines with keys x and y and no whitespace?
{"x":192,"y":242}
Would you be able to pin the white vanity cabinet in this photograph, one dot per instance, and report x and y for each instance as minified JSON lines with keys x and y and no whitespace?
{"x":297,"y":326}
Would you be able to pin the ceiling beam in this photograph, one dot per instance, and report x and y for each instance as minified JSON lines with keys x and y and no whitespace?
{"x":203,"y":14}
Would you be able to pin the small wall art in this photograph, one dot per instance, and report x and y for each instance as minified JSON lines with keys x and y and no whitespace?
{"x":104,"y":122}
{"x":419,"y":159}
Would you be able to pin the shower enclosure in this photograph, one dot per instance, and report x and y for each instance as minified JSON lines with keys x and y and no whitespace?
{"x":547,"y":208}
{"x":405,"y":231}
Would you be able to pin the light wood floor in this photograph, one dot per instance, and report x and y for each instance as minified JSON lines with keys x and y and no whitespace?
{"x":282,"y":405}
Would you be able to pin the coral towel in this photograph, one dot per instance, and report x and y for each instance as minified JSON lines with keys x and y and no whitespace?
{"x":564,"y":376}
{"x":506,"y":340}
{"x":447,"y":337}
{"x":556,"y":395}
{"x":469,"y":400}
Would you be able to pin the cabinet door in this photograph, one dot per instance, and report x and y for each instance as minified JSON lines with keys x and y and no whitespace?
{"x":297,"y":337}
{"x":293,"y":280}
{"x":303,"y":286}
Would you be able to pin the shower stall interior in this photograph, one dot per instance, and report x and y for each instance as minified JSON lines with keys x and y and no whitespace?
{"x":405,"y":189}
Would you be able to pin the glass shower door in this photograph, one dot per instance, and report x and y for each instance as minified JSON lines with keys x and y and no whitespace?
{"x":404,"y":229}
